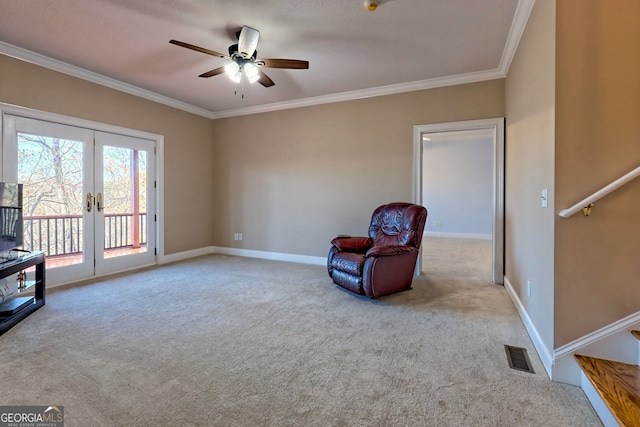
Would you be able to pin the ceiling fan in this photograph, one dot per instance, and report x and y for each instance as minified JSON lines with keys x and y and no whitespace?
{"x":243,"y":61}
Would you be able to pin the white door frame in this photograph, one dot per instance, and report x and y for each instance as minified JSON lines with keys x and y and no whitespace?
{"x":105,"y":265}
{"x":15,"y":125}
{"x":97,"y":126}
{"x":495,"y":125}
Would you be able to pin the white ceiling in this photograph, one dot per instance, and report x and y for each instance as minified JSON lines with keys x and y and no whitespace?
{"x":353,"y":53}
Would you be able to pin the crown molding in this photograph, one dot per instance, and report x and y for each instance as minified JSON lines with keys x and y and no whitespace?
{"x":518,"y":25}
{"x":364,"y":93}
{"x":62,"y":67}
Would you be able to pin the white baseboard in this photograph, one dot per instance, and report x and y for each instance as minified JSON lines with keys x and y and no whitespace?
{"x":249,"y":253}
{"x":274,"y":256}
{"x":180,"y":256}
{"x":457,"y":235}
{"x":545,"y":355}
{"x":613,"y":342}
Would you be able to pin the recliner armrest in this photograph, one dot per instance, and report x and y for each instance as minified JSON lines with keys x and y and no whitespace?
{"x":352,"y":244}
{"x":389,"y":250}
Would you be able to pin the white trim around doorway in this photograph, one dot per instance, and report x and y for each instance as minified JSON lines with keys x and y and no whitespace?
{"x":496,"y":125}
{"x":97,"y":126}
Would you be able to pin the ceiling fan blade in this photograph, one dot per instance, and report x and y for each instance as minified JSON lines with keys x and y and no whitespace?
{"x":199,"y":49}
{"x":283,"y":63}
{"x":265,"y":80}
{"x":248,"y":41}
{"x":212,"y":72}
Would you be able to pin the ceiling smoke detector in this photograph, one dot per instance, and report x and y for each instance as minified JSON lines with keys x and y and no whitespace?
{"x":371,"y":5}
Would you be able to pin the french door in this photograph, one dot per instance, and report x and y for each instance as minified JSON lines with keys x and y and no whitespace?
{"x":89,"y":196}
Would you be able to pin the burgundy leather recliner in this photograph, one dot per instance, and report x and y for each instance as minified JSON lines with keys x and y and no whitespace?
{"x":384,"y":262}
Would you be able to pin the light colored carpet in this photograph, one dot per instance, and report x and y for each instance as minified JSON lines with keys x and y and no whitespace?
{"x":229,"y":341}
{"x":462,"y":258}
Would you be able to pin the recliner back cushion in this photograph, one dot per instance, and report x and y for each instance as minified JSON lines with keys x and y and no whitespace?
{"x":397,"y":224}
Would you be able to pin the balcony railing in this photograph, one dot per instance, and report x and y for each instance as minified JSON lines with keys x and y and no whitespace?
{"x":62,"y":235}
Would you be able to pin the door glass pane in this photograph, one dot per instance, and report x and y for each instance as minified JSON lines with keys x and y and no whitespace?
{"x":51,"y":170}
{"x":124,"y":201}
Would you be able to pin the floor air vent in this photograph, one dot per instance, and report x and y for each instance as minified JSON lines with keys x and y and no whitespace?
{"x":518,"y":358}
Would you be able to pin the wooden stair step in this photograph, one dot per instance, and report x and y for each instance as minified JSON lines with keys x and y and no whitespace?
{"x":636,"y":334}
{"x":618,"y":384}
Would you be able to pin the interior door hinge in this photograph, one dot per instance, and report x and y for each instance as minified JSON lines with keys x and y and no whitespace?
{"x":155,"y":218}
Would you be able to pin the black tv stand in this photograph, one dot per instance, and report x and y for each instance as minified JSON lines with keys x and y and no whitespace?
{"x":18,"y":306}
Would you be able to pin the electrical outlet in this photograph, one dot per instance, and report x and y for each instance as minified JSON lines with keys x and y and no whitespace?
{"x":437,"y":224}
{"x":528,"y":288}
{"x":236,"y":236}
{"x":239,"y":236}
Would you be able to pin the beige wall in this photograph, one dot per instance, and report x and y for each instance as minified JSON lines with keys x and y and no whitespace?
{"x":572,"y":102}
{"x":529,"y":164}
{"x":289,"y":180}
{"x":597,"y":141}
{"x":292,"y":180}
{"x":188,"y":150}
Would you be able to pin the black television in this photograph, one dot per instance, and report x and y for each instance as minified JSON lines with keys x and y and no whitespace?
{"x":11,"y":222}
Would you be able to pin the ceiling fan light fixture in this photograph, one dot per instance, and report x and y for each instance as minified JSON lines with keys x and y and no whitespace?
{"x":231,"y":69}
{"x":243,"y":60}
{"x":251,"y":71}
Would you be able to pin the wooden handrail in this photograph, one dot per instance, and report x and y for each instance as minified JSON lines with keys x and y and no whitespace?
{"x":588,"y":201}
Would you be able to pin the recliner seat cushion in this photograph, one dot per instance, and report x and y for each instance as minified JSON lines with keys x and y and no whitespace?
{"x":348,"y":262}
{"x":348,"y":281}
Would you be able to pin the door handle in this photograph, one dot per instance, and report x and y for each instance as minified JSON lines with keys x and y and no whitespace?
{"x":89,"y":201}
{"x":99,"y":201}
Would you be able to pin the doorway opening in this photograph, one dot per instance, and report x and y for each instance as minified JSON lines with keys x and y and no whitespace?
{"x":90,"y":192}
{"x":459,"y":178}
